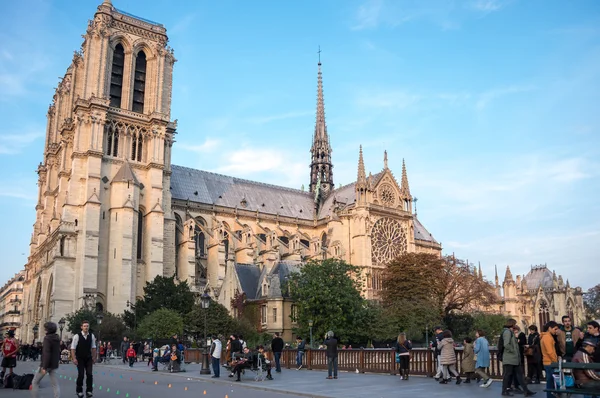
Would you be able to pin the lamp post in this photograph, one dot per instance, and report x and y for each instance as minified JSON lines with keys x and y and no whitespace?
{"x":310,"y":325}
{"x":36,"y":328}
{"x":205,"y":303}
{"x":61,"y":326}
{"x":99,"y":317}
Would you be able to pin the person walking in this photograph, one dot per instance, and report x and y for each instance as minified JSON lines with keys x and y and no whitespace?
{"x":332,"y":355}
{"x":215,"y":354}
{"x":123,"y":349}
{"x":533,"y":352}
{"x":482,"y":360}
{"x":50,"y":361}
{"x":468,"y":360}
{"x":448,"y":358}
{"x":300,"y":353}
{"x":131,"y":355}
{"x":277,"y":348}
{"x":511,"y":360}
{"x":83,"y":352}
{"x":438,"y":332}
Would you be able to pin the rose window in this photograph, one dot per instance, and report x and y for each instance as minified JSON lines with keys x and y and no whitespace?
{"x":388,"y":241}
{"x":388,"y":196}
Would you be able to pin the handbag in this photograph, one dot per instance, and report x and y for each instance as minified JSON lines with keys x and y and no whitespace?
{"x":397,"y":358}
{"x":528,"y":351}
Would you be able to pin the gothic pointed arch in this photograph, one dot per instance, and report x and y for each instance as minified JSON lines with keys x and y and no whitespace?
{"x":36,"y":300}
{"x":48,"y":302}
{"x":139,"y":82}
{"x":116,"y":76}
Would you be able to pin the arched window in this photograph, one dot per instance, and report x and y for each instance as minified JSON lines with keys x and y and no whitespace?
{"x":116,"y":76}
{"x":139,"y":83}
{"x":544,"y":313}
{"x":137,"y":145}
{"x":140,"y":233}
{"x":200,"y":241}
{"x":112,"y":141}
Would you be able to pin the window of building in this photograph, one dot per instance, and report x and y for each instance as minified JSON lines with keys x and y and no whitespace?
{"x":137,"y":145}
{"x":263,"y":314}
{"x":112,"y":143}
{"x":274,"y":314}
{"x":294,"y":312}
{"x":116,"y":76}
{"x":200,"y":240}
{"x":139,"y":83}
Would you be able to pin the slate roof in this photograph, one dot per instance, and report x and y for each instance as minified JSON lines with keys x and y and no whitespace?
{"x":421,"y":232}
{"x":249,"y":276}
{"x":125,"y":174}
{"x":539,"y":276}
{"x":210,"y":188}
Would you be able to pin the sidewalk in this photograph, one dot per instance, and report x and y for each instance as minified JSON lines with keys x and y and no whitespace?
{"x":313,"y":383}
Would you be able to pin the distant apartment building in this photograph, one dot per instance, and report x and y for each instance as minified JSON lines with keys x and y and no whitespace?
{"x":11,"y":296}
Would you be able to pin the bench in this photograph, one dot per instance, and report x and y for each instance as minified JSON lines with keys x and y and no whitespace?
{"x":569,"y":391}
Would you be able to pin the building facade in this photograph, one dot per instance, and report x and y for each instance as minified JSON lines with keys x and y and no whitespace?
{"x":11,"y":298}
{"x":113,"y":213}
{"x":538,"y":297}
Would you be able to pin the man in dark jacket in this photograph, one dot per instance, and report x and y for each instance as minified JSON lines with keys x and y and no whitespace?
{"x":438,"y":331}
{"x":277,"y":348}
{"x":332,"y":355}
{"x":50,"y":360}
{"x":300,"y":353}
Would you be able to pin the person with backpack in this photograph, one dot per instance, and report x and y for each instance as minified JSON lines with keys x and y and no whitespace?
{"x":83,"y":352}
{"x":10,"y":348}
{"x":50,"y":361}
{"x":511,"y":360}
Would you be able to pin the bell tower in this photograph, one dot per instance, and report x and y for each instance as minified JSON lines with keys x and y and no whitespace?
{"x":104,"y":215}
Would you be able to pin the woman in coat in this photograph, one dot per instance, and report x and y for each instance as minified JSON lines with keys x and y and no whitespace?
{"x":482,"y":351}
{"x":468,"y":360}
{"x":448,"y":357}
{"x":403,"y":347}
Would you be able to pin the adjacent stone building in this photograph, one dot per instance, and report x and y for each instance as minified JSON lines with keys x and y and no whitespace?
{"x":538,"y":297}
{"x":11,"y":298}
{"x":113,"y":213}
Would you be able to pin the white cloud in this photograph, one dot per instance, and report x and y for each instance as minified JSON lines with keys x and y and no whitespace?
{"x":488,"y":96}
{"x":368,"y":15}
{"x":283,"y":116}
{"x":207,"y":146}
{"x":487,"y":6}
{"x":11,"y":144}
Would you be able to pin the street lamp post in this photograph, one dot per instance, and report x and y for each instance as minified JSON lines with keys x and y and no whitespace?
{"x":36,"y":328}
{"x":99,"y":317}
{"x":61,"y":326}
{"x":310,"y":325}
{"x":205,"y":302}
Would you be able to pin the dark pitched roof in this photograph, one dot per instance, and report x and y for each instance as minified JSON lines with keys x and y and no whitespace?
{"x":210,"y":188}
{"x":249,"y":276}
{"x":539,"y":276}
{"x":421,"y":233}
{"x":125,"y":174}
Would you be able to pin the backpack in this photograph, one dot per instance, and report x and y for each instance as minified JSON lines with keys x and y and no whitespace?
{"x":22,"y":382}
{"x":8,"y":380}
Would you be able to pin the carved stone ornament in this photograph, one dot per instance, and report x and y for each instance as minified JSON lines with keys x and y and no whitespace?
{"x":388,"y":195}
{"x":388,"y":241}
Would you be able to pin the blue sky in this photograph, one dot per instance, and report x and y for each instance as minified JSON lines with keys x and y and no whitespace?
{"x":495,"y":105}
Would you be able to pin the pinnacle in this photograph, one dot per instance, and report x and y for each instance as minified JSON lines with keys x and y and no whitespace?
{"x":404,"y":185}
{"x":361,"y":177}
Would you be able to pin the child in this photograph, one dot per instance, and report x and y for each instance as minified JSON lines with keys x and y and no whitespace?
{"x":131,"y":355}
{"x":468,"y":360}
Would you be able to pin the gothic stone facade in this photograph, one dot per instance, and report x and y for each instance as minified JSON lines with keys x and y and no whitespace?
{"x":538,"y":297}
{"x":113,"y":213}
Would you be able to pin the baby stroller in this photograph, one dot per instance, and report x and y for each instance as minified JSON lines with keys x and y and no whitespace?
{"x":64,"y":356}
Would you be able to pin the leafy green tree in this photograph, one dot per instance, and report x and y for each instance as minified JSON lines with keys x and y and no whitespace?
{"x":591,"y":301}
{"x":328,"y":293}
{"x":491,"y":324}
{"x":218,"y":320}
{"x":112,"y":327}
{"x":161,"y":324}
{"x":162,"y":292}
{"x":461,"y":326}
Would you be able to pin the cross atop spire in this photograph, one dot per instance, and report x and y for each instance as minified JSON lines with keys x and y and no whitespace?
{"x":321,"y":166}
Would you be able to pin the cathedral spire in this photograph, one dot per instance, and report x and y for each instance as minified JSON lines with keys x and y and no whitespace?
{"x":404,"y":185}
{"x":321,"y":166}
{"x":361,"y":178}
{"x":496,"y":275}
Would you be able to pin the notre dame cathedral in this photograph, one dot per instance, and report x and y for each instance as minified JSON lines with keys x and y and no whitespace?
{"x":113,"y":212}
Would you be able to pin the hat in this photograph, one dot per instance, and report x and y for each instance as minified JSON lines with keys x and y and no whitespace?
{"x":589,"y":342}
{"x":10,"y":333}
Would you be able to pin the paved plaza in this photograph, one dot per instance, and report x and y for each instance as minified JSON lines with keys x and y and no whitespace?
{"x":141,"y":382}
